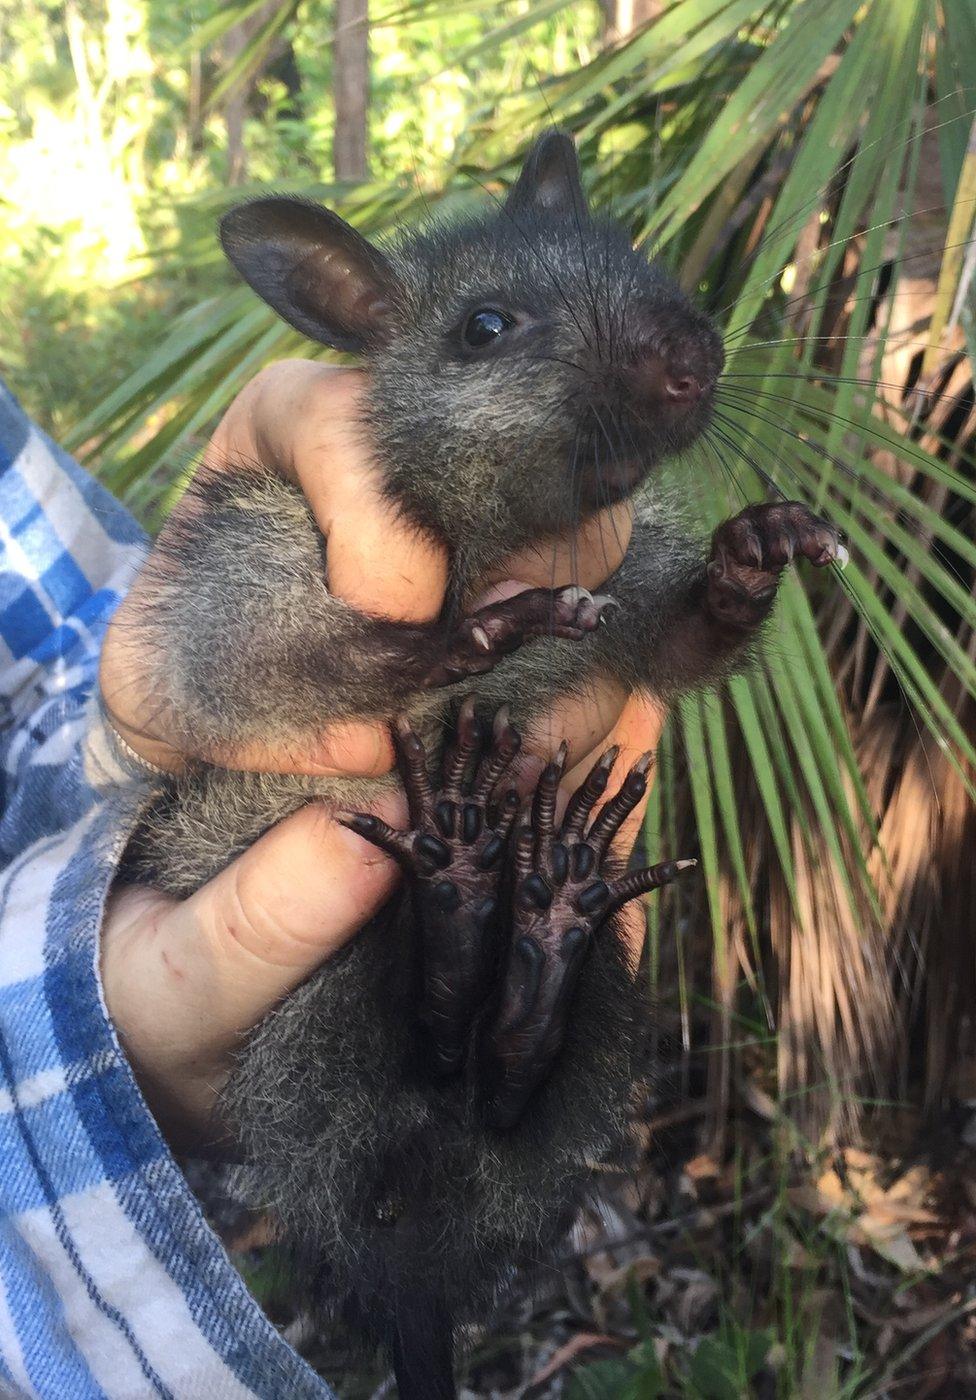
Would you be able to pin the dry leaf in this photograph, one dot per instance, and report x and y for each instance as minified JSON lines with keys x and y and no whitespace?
{"x":914,"y":1185}
{"x":583,"y":1341}
{"x":696,"y":1300}
{"x":832,"y":1191}
{"x":758,"y":1101}
{"x":892,"y":1243}
{"x":702,"y":1168}
{"x":612,"y":1278}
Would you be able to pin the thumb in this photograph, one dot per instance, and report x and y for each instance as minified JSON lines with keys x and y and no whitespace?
{"x":184,"y":980}
{"x":289,"y":902}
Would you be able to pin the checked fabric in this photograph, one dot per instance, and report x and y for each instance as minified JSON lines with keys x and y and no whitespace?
{"x":111,"y":1282}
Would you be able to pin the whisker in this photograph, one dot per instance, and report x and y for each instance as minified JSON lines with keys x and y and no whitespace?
{"x":537,"y":359}
{"x":867,"y":382}
{"x":734,"y":331}
{"x":750,"y":461}
{"x":825,"y":339}
{"x":900,"y":514}
{"x":824,"y":189}
{"x":732,"y":425}
{"x":850,"y":301}
{"x":730,"y":473}
{"x":930,"y":466}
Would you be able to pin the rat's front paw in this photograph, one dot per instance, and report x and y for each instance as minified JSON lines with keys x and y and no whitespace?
{"x":480,"y":641}
{"x":750,"y":552}
{"x":453,"y":857}
{"x":562,"y":895}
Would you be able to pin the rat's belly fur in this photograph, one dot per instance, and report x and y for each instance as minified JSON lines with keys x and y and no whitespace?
{"x":383,"y":1181}
{"x":387,"y":1181}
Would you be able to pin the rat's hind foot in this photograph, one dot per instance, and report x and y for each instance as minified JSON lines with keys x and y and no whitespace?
{"x":750,"y":552}
{"x":453,"y":856}
{"x":560,"y":899}
{"x":480,"y":641}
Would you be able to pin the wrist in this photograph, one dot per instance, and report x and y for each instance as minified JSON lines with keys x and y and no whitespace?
{"x":137,"y":749}
{"x":128,"y":699}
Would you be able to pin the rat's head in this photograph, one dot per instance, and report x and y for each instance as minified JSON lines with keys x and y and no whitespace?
{"x":529,"y":366}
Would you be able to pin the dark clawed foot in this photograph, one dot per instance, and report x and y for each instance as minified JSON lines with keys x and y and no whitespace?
{"x":560,"y":899}
{"x":481,"y":640}
{"x":750,"y":552}
{"x":453,"y":855}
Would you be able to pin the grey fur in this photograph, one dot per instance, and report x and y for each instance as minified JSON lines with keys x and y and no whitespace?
{"x":240,"y":611}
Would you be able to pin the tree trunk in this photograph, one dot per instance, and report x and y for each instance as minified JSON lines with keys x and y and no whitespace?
{"x":194,"y":108}
{"x":350,"y":86}
{"x":237,"y":103}
{"x":235,"y":107}
{"x":623,"y":17}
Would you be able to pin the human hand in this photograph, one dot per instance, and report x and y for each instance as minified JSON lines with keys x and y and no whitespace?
{"x":305,"y":420}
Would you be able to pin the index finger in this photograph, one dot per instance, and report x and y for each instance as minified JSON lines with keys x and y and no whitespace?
{"x":637,"y":731}
{"x":310,"y":422}
{"x":586,"y":555}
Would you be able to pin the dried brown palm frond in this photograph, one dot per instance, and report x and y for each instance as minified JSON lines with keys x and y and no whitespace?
{"x":928,"y":833}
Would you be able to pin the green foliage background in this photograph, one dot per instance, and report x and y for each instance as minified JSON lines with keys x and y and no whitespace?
{"x":95,"y":233}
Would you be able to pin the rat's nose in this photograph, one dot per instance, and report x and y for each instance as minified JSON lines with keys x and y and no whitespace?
{"x":668,"y":381}
{"x":683,"y":388}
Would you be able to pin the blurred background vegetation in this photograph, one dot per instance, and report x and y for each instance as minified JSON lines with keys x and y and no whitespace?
{"x":117,"y":116}
{"x":808,"y":169}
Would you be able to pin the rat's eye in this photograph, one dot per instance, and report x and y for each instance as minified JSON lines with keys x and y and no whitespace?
{"x":485,"y":326}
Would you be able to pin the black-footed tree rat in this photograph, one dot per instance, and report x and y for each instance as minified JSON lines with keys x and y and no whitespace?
{"x":419,"y":1116}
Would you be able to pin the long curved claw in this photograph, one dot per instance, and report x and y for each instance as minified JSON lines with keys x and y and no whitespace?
{"x":616,"y":811}
{"x":751,"y":550}
{"x":412,"y":756}
{"x":560,"y":902}
{"x":453,"y":856}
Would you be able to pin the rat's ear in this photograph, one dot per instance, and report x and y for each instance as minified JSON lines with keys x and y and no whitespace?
{"x":550,"y":179}
{"x":313,"y":269}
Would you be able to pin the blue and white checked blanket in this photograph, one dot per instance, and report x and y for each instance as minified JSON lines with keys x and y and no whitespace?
{"x":111,"y":1282}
